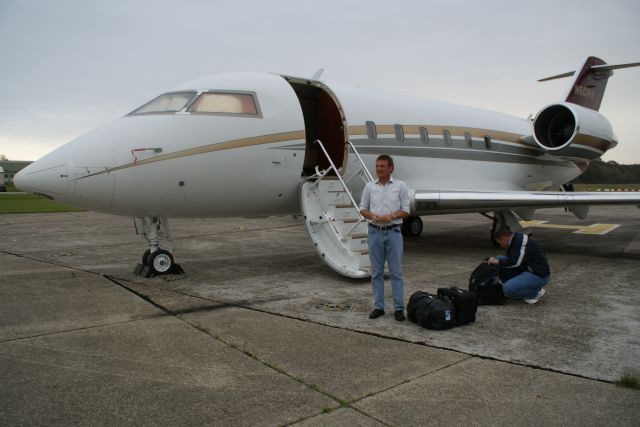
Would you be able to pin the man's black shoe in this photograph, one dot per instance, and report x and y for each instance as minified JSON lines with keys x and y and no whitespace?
{"x":376,"y":313}
{"x":399,"y":315}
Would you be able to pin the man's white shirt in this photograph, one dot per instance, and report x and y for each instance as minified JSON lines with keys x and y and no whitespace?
{"x":385,"y":199}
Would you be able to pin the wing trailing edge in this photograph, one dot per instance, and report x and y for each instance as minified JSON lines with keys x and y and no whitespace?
{"x":427,"y":202}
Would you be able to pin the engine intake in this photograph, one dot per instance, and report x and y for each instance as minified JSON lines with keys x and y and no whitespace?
{"x":555,"y":127}
{"x":572,"y":131}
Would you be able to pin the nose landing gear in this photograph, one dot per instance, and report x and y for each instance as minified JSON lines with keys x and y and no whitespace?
{"x":155,"y":261}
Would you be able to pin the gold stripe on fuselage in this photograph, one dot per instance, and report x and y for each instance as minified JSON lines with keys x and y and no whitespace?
{"x":456,"y":131}
{"x":599,"y":144}
{"x":210,"y":148}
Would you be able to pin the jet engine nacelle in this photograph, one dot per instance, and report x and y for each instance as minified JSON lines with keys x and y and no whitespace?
{"x":569,"y":130}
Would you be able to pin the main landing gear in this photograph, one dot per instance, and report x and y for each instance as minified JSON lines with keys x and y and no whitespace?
{"x":501,"y":220}
{"x":155,"y":261}
{"x":412,"y":226}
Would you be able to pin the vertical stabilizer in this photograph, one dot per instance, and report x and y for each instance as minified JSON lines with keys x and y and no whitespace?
{"x":588,"y":85}
{"x":590,"y":81}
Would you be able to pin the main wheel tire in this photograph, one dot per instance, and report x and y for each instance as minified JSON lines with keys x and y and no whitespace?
{"x":161,"y":262}
{"x":412,"y":226}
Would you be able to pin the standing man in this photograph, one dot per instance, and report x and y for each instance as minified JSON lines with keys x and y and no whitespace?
{"x":524,"y":270}
{"x":384,"y":203}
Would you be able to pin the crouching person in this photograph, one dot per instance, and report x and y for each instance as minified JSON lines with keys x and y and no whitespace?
{"x":524,"y":270}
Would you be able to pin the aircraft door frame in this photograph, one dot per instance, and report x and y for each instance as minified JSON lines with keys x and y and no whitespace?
{"x":324,"y":119}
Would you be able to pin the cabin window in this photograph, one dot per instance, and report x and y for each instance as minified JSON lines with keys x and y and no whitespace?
{"x":447,"y":137}
{"x":424,"y":135}
{"x":467,"y":139}
{"x":225,"y":103}
{"x":166,"y":103}
{"x":487,"y":142}
{"x":372,"y":133}
{"x":399,"y":132}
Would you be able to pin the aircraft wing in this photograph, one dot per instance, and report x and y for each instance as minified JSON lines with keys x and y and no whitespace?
{"x":437,"y":201}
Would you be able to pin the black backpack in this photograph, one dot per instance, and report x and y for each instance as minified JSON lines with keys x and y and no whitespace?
{"x":485,"y":283}
{"x":431,"y":311}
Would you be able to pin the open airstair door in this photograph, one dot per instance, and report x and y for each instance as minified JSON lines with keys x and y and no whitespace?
{"x":334,"y":223}
{"x":338,"y":231}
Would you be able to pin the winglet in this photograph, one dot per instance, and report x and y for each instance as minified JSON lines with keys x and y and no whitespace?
{"x":587,"y":88}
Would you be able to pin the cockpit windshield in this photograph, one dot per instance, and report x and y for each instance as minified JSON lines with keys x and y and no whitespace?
{"x":224,"y":103}
{"x":205,"y":102}
{"x":166,"y":103}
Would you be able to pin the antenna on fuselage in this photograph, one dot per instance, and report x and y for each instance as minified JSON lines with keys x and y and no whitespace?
{"x":317,"y":74}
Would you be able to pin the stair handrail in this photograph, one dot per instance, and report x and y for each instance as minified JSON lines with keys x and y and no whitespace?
{"x":364,"y":168}
{"x":353,"y":202}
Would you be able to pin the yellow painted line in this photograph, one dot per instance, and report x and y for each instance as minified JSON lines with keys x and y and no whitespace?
{"x":599,"y":229}
{"x":543,"y":224}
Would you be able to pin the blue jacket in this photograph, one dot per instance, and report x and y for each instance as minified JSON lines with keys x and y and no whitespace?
{"x":524,"y":253}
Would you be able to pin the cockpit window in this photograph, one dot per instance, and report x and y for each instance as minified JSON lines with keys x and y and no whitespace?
{"x":224,"y":103}
{"x":167,"y":103}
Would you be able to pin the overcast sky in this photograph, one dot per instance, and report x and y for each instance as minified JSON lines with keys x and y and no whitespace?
{"x":68,"y":66}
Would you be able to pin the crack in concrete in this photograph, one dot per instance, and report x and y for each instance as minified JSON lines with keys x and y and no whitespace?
{"x":176,"y":314}
{"x":82,"y":328}
{"x":224,"y":304}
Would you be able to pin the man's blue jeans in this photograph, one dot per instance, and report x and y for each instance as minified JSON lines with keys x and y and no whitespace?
{"x":386,"y":244}
{"x":521,"y":285}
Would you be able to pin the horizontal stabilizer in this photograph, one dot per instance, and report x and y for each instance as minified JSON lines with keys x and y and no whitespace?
{"x":590,"y":81}
{"x":595,"y":67}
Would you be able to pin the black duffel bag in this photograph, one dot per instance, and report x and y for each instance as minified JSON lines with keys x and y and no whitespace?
{"x":431,"y":311}
{"x":465,"y":303}
{"x":485,"y":283}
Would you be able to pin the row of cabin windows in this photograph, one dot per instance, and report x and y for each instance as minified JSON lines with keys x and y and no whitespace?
{"x":372,"y":133}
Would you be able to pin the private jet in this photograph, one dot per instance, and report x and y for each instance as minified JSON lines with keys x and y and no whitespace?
{"x":260,"y":144}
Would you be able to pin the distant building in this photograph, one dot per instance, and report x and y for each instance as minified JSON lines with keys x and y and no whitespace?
{"x":12,"y":167}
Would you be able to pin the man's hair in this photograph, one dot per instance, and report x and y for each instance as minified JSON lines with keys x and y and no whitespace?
{"x":503,"y":232}
{"x":387,"y":158}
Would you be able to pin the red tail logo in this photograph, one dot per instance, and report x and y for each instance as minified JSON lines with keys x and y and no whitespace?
{"x":587,"y":88}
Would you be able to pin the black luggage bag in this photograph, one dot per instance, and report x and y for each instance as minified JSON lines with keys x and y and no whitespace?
{"x":465,"y":303}
{"x":430,"y":311}
{"x":485,"y":283}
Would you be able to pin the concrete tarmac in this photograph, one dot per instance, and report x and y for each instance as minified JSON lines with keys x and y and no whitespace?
{"x":258,"y":331}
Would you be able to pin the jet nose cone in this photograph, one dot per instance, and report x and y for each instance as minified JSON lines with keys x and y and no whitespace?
{"x":48,"y":176}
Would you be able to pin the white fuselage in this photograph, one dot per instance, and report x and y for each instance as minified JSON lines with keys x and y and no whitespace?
{"x":184,"y":164}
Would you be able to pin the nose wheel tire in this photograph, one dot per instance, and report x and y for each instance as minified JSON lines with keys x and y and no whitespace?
{"x":161,"y":262}
{"x":412,"y":226}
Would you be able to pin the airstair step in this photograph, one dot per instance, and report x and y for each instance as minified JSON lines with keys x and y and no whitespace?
{"x":333,"y":222}
{"x":346,"y":214}
{"x":347,"y":227}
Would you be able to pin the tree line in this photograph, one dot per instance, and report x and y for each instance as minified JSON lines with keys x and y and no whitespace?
{"x":600,"y":172}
